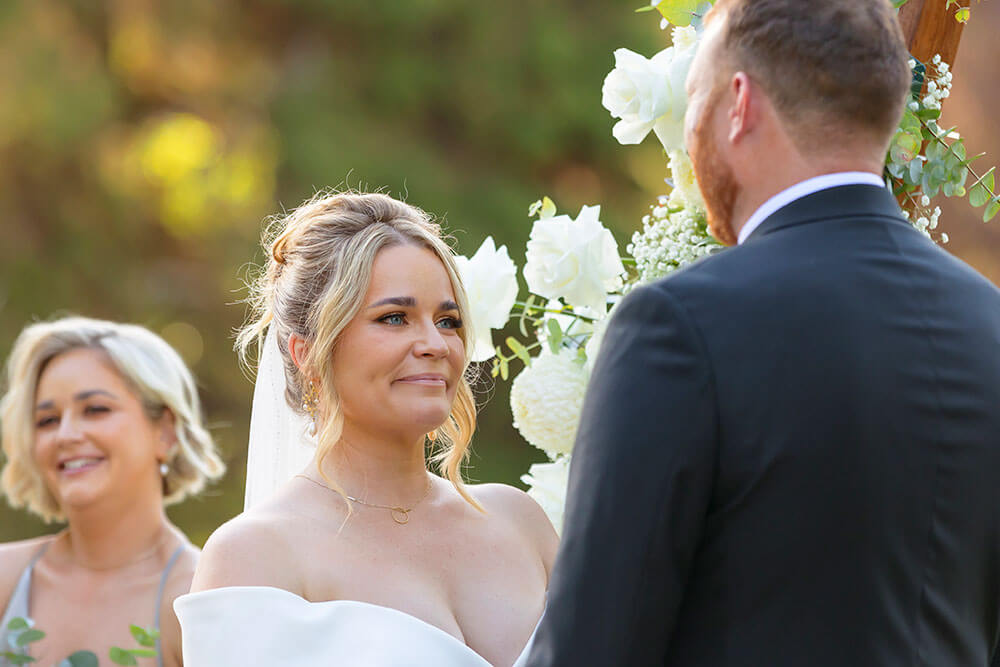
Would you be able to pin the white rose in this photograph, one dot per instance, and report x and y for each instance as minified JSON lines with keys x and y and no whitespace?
{"x":575,"y":260}
{"x":490,"y":280}
{"x":548,"y":483}
{"x":686,"y":193}
{"x":649,"y":93}
{"x":546,"y":399}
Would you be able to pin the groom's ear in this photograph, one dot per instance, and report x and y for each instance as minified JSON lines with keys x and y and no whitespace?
{"x":745,"y":106}
{"x":298,"y":347}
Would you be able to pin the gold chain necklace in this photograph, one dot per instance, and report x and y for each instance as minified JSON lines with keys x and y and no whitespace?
{"x":400,"y":515}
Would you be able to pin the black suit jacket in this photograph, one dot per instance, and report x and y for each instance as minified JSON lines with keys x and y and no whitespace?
{"x":790,"y":456}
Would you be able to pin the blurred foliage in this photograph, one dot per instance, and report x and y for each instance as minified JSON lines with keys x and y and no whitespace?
{"x":143,"y":142}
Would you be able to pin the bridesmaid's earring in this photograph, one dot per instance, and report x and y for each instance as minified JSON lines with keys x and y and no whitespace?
{"x":164,"y":470}
{"x":432,"y":436}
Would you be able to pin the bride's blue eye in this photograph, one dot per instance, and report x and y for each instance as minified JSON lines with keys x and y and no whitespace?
{"x":395,"y":319}
{"x":449,"y":323}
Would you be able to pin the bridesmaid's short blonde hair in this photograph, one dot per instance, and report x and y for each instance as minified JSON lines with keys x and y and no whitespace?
{"x":157,"y":375}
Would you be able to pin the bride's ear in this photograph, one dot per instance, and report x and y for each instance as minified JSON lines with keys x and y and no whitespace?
{"x":299,"y":349}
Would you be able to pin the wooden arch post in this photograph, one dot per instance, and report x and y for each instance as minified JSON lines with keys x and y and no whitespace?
{"x":930,"y":28}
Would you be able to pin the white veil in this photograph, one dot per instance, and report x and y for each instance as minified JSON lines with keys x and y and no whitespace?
{"x":280,"y":442}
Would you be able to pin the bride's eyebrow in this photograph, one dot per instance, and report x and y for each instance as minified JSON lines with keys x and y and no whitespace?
{"x":410,"y":302}
{"x":404,"y":301}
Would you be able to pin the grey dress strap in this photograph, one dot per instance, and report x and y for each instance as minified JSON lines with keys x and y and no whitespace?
{"x":17,"y":607}
{"x":159,"y":598}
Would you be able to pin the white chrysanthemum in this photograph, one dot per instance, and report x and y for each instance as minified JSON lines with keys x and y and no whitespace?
{"x":547,"y":484}
{"x":686,"y":193}
{"x":669,"y":241}
{"x":546,"y":399}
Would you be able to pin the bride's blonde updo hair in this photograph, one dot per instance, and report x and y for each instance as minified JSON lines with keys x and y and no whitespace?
{"x":318,"y":270}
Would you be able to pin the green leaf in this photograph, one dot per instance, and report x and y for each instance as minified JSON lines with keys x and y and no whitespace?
{"x":120,"y":656}
{"x":555,"y":335}
{"x":143,"y":652}
{"x":646,"y":8}
{"x":992,"y":210}
{"x":962,"y":15}
{"x":982,"y":191}
{"x":899,"y":3}
{"x":17,"y":658}
{"x":548,"y":209}
{"x":28,"y":636}
{"x":18,"y":623}
{"x":678,"y":12}
{"x":905,"y":147}
{"x":519,"y":350}
{"x":82,"y":659}
{"x":144,"y":637}
{"x":521,"y":321}
{"x":917,"y":84}
{"x":504,"y":369}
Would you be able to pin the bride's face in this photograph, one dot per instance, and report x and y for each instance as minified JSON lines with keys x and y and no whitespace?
{"x":399,"y":362}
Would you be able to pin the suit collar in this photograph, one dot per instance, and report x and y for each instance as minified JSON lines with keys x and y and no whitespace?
{"x":838,"y":202}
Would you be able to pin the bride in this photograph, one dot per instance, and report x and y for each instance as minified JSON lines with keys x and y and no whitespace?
{"x":366,"y":558}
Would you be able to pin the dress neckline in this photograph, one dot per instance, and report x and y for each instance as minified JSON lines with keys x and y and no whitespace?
{"x":214,"y":592}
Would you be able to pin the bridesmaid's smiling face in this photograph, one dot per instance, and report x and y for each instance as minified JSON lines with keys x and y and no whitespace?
{"x":399,"y":362}
{"x":94,"y":442}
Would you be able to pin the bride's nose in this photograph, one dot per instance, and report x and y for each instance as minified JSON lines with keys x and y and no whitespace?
{"x":430,"y":342}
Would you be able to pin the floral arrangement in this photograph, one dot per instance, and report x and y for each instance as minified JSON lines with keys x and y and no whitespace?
{"x":21,"y":632}
{"x":575,"y":274}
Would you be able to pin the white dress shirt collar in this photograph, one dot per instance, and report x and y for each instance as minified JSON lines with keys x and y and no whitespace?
{"x":800,"y":190}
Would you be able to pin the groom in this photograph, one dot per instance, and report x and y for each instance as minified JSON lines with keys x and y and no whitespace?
{"x":790,"y":451}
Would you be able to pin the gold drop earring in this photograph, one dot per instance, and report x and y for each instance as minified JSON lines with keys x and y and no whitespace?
{"x":310,"y":404}
{"x":432,"y":436}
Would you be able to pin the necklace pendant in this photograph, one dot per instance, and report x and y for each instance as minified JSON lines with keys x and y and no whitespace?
{"x":400,"y":515}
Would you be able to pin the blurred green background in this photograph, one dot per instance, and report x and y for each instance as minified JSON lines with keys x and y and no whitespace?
{"x":143,"y":142}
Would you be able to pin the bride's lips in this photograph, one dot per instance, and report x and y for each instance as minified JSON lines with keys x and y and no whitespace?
{"x":425,"y":380}
{"x":79,"y":465}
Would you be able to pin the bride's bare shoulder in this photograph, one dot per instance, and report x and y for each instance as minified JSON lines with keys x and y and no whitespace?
{"x":520,"y":510}
{"x":256,"y":548}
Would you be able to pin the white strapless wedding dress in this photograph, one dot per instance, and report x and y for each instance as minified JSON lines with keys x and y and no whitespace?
{"x":261,"y":625}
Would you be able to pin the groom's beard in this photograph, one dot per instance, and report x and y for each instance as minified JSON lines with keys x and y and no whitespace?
{"x":716,"y":179}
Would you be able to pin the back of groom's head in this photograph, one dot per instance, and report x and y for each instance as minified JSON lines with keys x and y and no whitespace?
{"x":826,"y":66}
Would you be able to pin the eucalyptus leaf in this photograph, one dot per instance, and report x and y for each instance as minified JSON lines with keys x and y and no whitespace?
{"x":18,"y":623}
{"x":555,"y":336}
{"x":678,"y":12}
{"x":982,"y":191}
{"x":519,"y":350}
{"x":28,"y":636}
{"x":17,"y":658}
{"x":143,"y":652}
{"x":521,"y":324}
{"x":82,"y":659}
{"x":992,"y":209}
{"x":144,"y":637}
{"x":962,"y":15}
{"x":120,"y":656}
